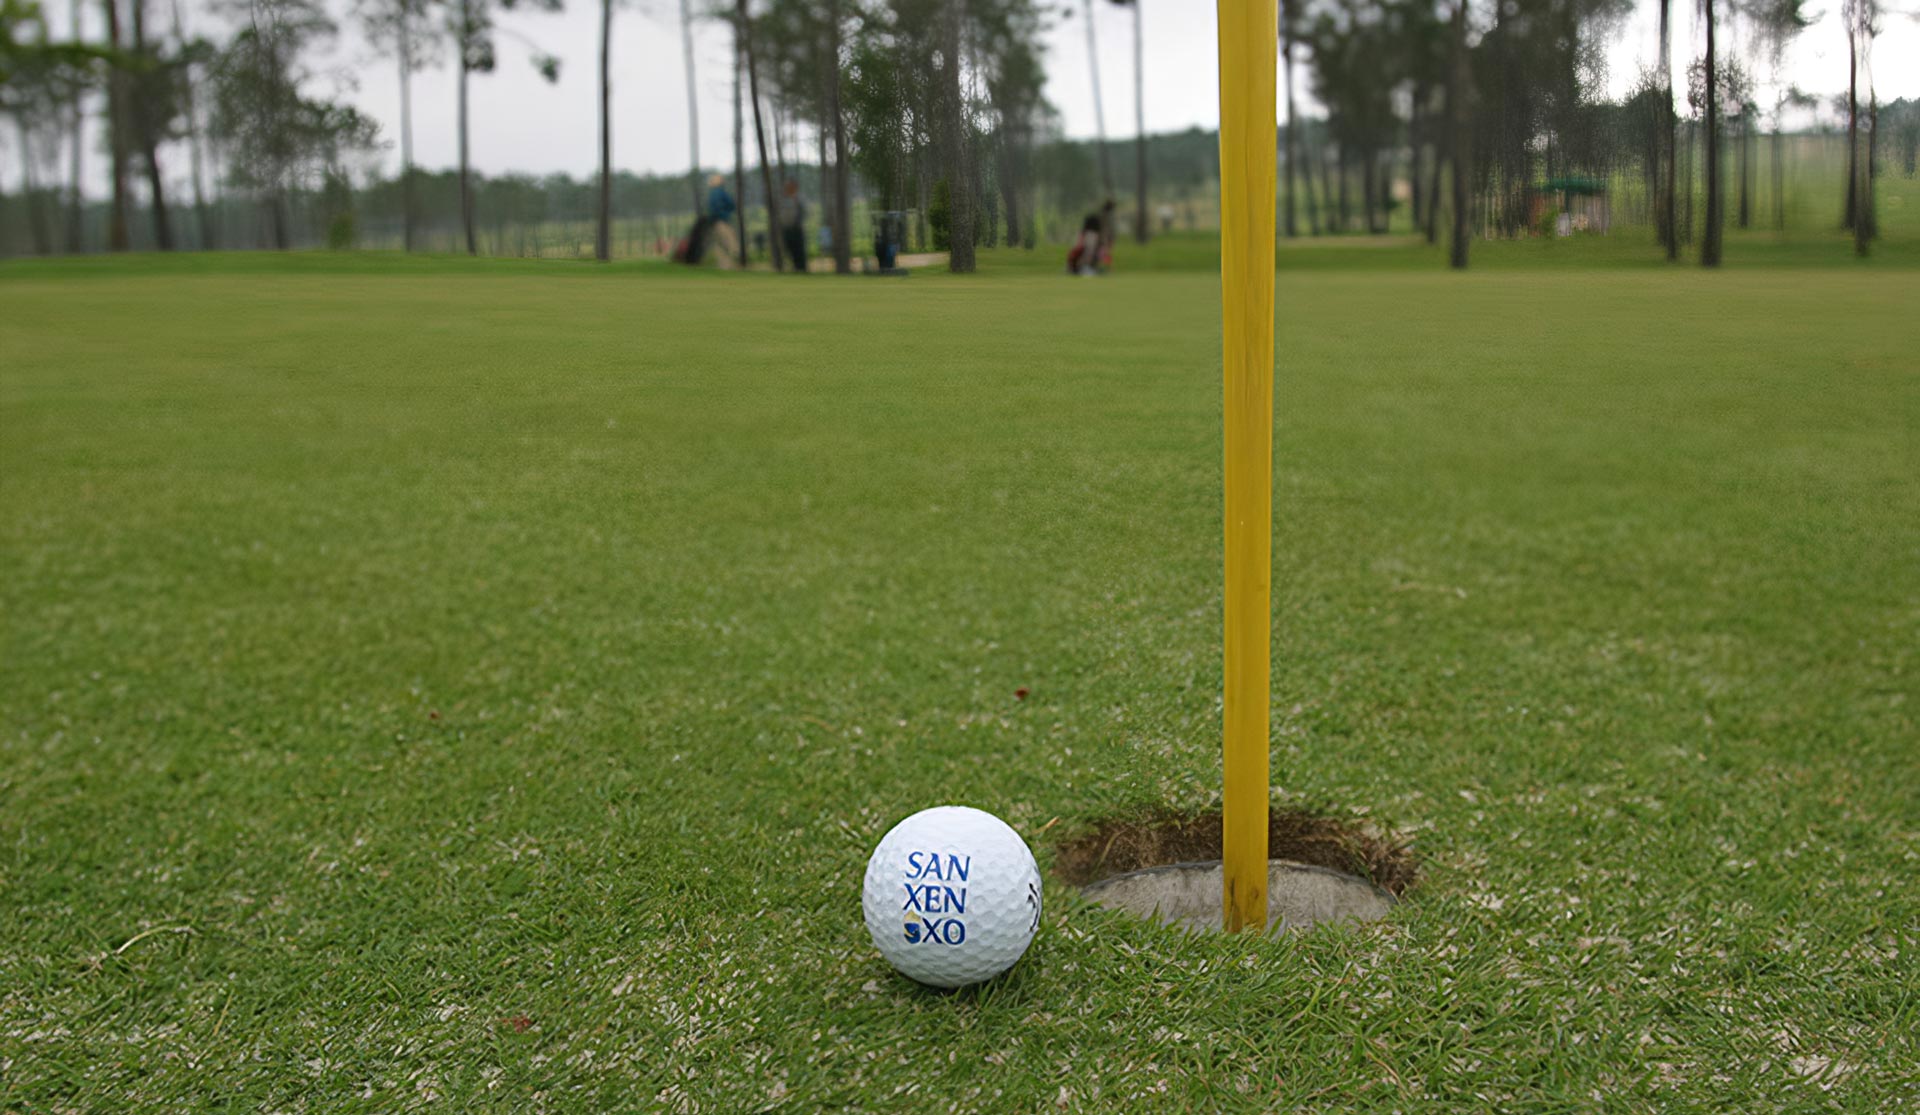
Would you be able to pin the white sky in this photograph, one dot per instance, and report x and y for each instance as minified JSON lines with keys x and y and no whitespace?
{"x":521,"y":123}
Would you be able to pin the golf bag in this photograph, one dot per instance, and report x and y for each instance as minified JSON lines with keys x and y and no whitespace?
{"x":693,"y":248}
{"x":1085,"y":257}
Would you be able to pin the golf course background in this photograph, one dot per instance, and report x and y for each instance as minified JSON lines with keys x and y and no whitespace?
{"x":478,"y":684}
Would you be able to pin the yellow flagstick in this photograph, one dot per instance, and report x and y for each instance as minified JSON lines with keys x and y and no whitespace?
{"x":1249,"y":34}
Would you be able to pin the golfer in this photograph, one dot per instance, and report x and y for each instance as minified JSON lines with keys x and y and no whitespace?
{"x":720,"y":211}
{"x":793,"y":231}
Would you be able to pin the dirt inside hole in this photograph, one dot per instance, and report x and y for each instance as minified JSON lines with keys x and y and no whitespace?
{"x":1114,"y":847}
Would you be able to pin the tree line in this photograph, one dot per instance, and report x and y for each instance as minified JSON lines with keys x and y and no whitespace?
{"x":1473,"y":111}
{"x":1494,"y":106}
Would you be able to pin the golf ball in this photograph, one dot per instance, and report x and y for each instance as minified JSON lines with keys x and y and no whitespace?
{"x":952,"y":896}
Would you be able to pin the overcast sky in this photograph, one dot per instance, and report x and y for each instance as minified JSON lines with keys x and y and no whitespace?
{"x":520,"y":123}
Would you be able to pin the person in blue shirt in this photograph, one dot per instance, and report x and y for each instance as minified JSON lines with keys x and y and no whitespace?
{"x":720,"y":211}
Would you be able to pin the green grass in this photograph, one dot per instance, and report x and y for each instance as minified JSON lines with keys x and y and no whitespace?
{"x":478,"y":686}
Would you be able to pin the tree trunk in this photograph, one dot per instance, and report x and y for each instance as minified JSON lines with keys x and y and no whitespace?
{"x":1331,"y":221}
{"x":1346,"y":211}
{"x":76,"y":139}
{"x":1710,"y":242}
{"x":603,"y":233}
{"x":1369,"y":191}
{"x":1462,"y":140}
{"x":1869,"y":212}
{"x":739,"y":145}
{"x":1863,"y":216}
{"x":1433,"y":197}
{"x":1389,"y":160}
{"x":959,"y":175}
{"x":1500,"y":145}
{"x":406,"y":128}
{"x":779,"y":144}
{"x":1853,"y":126}
{"x":693,"y":107}
{"x":143,"y":95}
{"x":1415,"y":133}
{"x":1305,"y":147}
{"x":842,"y":179}
{"x":1745,"y":219}
{"x":1779,"y":178}
{"x":31,"y":193}
{"x":201,"y":217}
{"x":1289,"y":220}
{"x":759,"y":130}
{"x":466,"y":184}
{"x":986,"y":202}
{"x":1142,"y":230}
{"x":1688,"y":142}
{"x":118,"y":139}
{"x":1009,"y":191}
{"x":820,"y":167}
{"x":923,"y":202}
{"x":1099,"y":109}
{"x":1666,"y":222}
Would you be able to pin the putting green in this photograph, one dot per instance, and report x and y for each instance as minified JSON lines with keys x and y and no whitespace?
{"x":482,"y":683}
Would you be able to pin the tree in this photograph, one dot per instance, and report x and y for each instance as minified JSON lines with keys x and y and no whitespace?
{"x":1869,"y":211}
{"x":1710,"y":242}
{"x":1738,"y":84}
{"x":280,"y":140}
{"x":1860,"y":18}
{"x":943,"y":102}
{"x":603,"y":231}
{"x":32,"y":92}
{"x":401,"y":27}
{"x":799,"y":48}
{"x":193,"y":55}
{"x":795,"y":54}
{"x":473,"y":33}
{"x":1289,"y":220}
{"x":151,"y":109}
{"x":1459,"y":93}
{"x":693,"y":107}
{"x":42,"y":81}
{"x":76,"y":144}
{"x":739,"y":157}
{"x":119,"y":135}
{"x":1004,"y":34}
{"x":1141,"y":229}
{"x":895,"y":101}
{"x":1099,"y":107}
{"x":1903,"y":122}
{"x":743,"y":23}
{"x":842,"y":174}
{"x":959,"y":177}
{"x":1775,"y":24}
{"x":1421,"y":37}
{"x":1667,"y":224}
{"x":1348,"y":39}
{"x":1730,"y":86}
{"x":1540,"y":75}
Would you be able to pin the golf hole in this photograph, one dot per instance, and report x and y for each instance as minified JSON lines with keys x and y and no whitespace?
{"x":1167,"y":869}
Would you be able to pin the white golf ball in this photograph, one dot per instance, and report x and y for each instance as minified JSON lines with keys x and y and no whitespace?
{"x":952,"y":896}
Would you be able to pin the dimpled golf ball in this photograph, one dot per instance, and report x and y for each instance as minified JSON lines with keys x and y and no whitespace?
{"x":952,"y":896}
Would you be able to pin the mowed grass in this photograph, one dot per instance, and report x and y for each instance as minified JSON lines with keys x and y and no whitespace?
{"x":478,"y":686}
